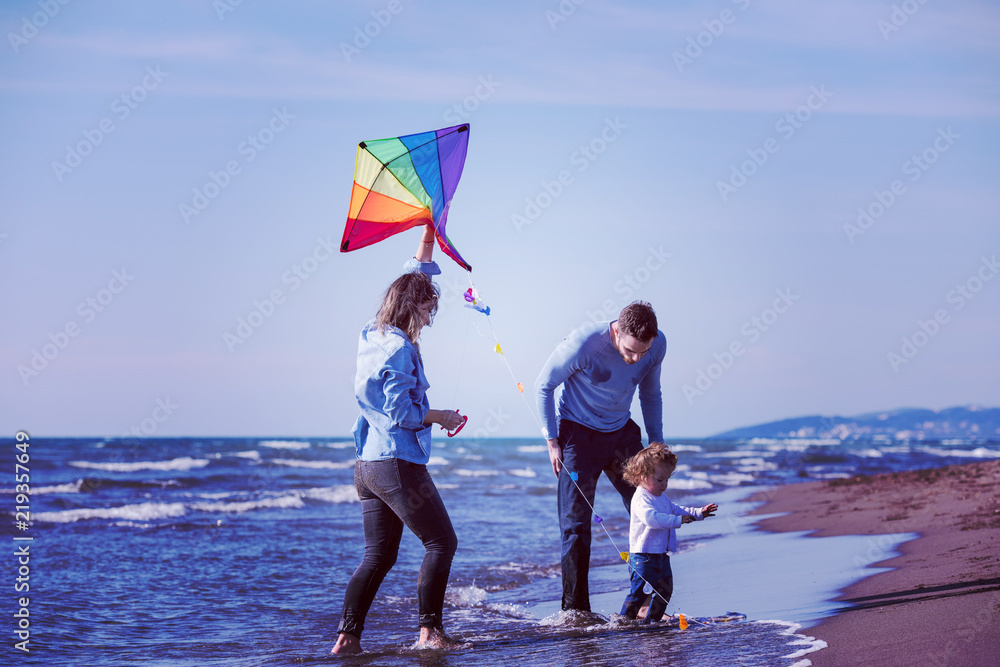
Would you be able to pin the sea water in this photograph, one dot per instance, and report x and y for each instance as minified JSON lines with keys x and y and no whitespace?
{"x":226,"y":551}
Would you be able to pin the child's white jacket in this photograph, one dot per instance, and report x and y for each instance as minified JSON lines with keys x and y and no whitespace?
{"x":654,"y":522}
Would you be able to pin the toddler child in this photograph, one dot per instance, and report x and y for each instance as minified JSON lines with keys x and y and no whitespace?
{"x":652,"y":530}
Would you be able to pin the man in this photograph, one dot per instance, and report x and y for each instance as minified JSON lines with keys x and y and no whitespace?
{"x":599,"y":367}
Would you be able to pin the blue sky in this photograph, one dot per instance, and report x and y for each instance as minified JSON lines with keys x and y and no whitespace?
{"x":805,"y":193}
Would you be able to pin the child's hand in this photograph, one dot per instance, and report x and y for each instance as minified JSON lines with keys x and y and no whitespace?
{"x":687,"y":518}
{"x":709,"y":510}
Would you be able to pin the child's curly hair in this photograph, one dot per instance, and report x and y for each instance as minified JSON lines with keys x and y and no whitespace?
{"x":643,"y":464}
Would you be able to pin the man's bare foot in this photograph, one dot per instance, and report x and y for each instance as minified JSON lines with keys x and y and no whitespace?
{"x":347,"y":644}
{"x":434,"y":638}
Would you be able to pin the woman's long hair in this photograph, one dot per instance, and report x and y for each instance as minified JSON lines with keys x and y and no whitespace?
{"x":402,"y":301}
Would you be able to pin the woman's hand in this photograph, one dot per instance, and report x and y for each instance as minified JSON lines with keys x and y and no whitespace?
{"x":448,"y":419}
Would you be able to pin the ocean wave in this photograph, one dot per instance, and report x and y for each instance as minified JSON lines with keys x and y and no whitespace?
{"x":344,"y":493}
{"x":474,"y":596}
{"x":741,"y":453}
{"x":137,"y":512}
{"x":811,"y":644}
{"x":292,"y":501}
{"x":977,"y":453}
{"x":731,"y":478}
{"x":316,"y":465}
{"x":476,"y":473}
{"x":70,"y":487}
{"x":285,"y":444}
{"x":182,"y":463}
{"x":344,"y":444}
{"x":438,"y":461}
{"x":870,"y":453}
{"x":251,"y":454}
{"x":533,"y":449}
{"x":689,"y":484}
{"x":754,"y":464}
{"x":685,"y":448}
{"x":523,"y":472}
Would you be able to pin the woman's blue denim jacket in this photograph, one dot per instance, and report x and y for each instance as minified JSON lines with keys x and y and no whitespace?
{"x":391,"y":389}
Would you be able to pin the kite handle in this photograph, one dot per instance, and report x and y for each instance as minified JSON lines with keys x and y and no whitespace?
{"x":452,"y":434}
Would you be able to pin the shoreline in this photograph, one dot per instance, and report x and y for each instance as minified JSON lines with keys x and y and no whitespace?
{"x":940,"y":602}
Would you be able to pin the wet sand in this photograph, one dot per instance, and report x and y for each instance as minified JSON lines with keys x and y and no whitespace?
{"x":940,"y":604}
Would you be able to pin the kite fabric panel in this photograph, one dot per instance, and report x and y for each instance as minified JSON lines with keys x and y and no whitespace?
{"x":405,"y":182}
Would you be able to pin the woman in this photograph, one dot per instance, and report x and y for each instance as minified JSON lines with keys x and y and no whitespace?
{"x":393,"y":439}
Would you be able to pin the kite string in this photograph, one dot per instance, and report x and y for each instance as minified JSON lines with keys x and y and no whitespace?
{"x":572,"y":476}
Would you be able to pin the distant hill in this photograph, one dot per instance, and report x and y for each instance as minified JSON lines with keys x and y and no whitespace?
{"x":969,"y":422}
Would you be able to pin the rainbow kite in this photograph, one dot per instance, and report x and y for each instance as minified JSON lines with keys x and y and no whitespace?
{"x":404,"y":182}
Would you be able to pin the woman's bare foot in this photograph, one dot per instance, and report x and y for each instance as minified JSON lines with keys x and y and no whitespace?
{"x":434,"y":638}
{"x":347,"y":644}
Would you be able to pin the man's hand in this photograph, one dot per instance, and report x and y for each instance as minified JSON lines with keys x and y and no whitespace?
{"x":555,"y":455}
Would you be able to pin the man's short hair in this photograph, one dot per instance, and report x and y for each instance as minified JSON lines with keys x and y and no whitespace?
{"x":639,"y":321}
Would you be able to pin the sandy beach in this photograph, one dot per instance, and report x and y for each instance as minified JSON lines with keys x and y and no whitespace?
{"x":940,"y":604}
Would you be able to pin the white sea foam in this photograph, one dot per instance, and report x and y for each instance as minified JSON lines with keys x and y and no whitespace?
{"x":754,"y":464}
{"x":285,"y":444}
{"x":741,"y":453}
{"x":870,"y":453}
{"x":466,"y":596}
{"x":251,"y":454}
{"x":533,"y":449}
{"x":811,"y":644}
{"x":447,"y":486}
{"x":182,"y":463}
{"x":215,"y":496}
{"x":343,"y":493}
{"x":137,"y":512}
{"x":732,"y":478}
{"x":476,"y":473}
{"x":315,"y":465}
{"x":284,"y":502}
{"x":437,"y":461}
{"x":348,"y":444}
{"x":688,"y":484}
{"x":685,"y":448}
{"x":977,"y":453}
{"x":523,"y":472}
{"x":70,"y":487}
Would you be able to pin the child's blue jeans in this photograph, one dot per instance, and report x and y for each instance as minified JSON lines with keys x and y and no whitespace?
{"x":655,"y":569}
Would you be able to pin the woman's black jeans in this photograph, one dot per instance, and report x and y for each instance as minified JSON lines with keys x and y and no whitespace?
{"x":395,"y":492}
